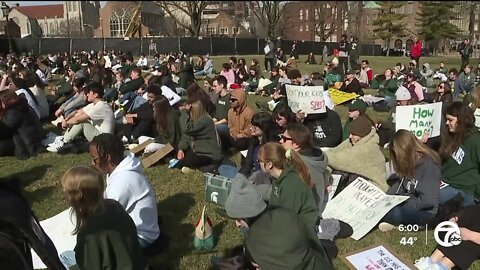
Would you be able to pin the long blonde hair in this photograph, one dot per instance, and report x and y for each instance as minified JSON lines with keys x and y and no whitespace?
{"x":275,"y":153}
{"x":405,"y":149}
{"x":83,"y":187}
{"x":197,"y":110}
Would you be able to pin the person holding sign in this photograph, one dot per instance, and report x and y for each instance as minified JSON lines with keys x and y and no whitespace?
{"x":362,"y":145}
{"x":417,"y":175}
{"x":460,"y":151}
{"x":351,"y":83}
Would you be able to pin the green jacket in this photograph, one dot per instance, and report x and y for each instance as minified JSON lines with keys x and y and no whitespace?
{"x":109,"y":241}
{"x":346,"y":129}
{"x":200,"y":136}
{"x":174,"y":133}
{"x":462,"y":169}
{"x":290,"y":192}
{"x":278,"y":239}
{"x":385,"y":88}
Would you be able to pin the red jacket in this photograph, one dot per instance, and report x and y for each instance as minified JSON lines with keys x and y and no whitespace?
{"x":417,"y":49}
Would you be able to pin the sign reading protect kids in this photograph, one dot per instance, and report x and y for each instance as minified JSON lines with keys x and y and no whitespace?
{"x":420,"y":119}
{"x":309,"y":99}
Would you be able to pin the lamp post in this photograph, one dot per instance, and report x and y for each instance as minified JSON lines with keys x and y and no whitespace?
{"x":6,"y":11}
{"x":101,"y":28}
{"x":208,"y":31}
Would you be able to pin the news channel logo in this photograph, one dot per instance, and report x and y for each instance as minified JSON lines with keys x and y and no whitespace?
{"x":452,"y":234}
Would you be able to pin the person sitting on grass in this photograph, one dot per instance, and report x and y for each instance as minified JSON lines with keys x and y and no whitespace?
{"x":362,"y":144}
{"x":126,"y":183}
{"x":271,"y":87}
{"x":106,"y":235}
{"x":418,"y":176}
{"x":94,"y":119}
{"x":239,"y":117}
{"x":326,"y":127}
{"x":222,"y":105}
{"x":460,"y":256}
{"x":199,"y":145}
{"x":387,"y":85}
{"x":351,"y":84}
{"x":356,"y":108}
{"x":74,"y":103}
{"x":311,"y":59}
{"x":252,"y":83}
{"x":283,"y":116}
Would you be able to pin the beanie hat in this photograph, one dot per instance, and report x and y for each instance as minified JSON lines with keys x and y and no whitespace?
{"x":357,"y":104}
{"x":244,"y":201}
{"x":403,"y":94}
{"x":361,"y":126}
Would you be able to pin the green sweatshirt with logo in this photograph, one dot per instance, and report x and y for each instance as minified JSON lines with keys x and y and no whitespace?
{"x":462,"y":169}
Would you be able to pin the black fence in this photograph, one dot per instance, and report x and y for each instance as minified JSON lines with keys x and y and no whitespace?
{"x":195,"y":46}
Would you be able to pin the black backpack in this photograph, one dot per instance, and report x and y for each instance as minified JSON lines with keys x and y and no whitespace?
{"x":20,"y":230}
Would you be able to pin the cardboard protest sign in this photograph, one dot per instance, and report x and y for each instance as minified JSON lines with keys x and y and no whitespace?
{"x":420,"y":119}
{"x":379,"y":257}
{"x":155,"y":157}
{"x":59,"y":228}
{"x":309,"y":99}
{"x":362,"y":205}
{"x":340,"y":97}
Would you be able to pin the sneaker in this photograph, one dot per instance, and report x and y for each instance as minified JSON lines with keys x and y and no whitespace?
{"x":56,"y":146}
{"x":124,"y":140}
{"x":423,"y":263}
{"x":187,"y":170}
{"x":55,"y":141}
{"x":385,"y":227}
{"x":173,"y":162}
{"x":49,"y":139}
{"x":57,"y":121}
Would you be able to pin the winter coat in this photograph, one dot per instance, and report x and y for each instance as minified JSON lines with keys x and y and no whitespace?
{"x":317,"y":163}
{"x":239,"y":118}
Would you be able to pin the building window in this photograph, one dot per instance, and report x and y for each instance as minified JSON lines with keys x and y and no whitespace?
{"x":211,"y":31}
{"x":409,"y":8}
{"x":119,"y":23}
{"x":225,"y":5}
{"x":74,"y":7}
{"x":301,"y":27}
{"x":301,"y":14}
{"x":234,"y":30}
{"x":306,"y":14}
{"x":306,"y":28}
{"x":475,"y":27}
{"x":223,"y":30}
{"x":476,"y":16}
{"x":317,"y":14}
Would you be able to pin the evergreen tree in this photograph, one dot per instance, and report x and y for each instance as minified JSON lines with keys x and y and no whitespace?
{"x":388,"y":23}
{"x":435,"y":21}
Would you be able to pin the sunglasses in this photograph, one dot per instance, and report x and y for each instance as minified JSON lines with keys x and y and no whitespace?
{"x":285,"y":138}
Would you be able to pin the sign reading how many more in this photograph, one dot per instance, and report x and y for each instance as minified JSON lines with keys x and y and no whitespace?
{"x":362,"y":205}
{"x":309,"y":99}
{"x":420,"y":119}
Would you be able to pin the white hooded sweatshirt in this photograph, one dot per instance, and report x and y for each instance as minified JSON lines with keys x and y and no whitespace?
{"x":128,"y":185}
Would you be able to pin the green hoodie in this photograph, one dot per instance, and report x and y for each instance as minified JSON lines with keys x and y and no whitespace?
{"x":278,"y":239}
{"x":200,"y":136}
{"x":174,"y":133}
{"x":461,"y":170}
{"x":290,"y":192}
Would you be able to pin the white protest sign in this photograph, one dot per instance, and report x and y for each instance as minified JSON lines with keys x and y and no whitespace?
{"x":309,"y":99}
{"x":376,"y":258}
{"x":362,"y":205}
{"x":59,"y":228}
{"x":420,"y":119}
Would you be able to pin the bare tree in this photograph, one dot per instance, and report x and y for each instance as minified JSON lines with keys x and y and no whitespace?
{"x":186,"y":14}
{"x":270,"y":15}
{"x":323,"y":29}
{"x":70,"y":28}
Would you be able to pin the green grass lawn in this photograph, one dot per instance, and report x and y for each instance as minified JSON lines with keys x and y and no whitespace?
{"x":181,"y":197}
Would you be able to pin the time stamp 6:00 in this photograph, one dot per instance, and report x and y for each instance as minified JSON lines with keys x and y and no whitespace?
{"x":409,"y":228}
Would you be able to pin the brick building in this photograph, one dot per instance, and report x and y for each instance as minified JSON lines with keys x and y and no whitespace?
{"x":315,"y":21}
{"x":115,"y":17}
{"x":223,"y":18}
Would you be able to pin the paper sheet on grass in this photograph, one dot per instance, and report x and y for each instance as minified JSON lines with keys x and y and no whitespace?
{"x":59,"y":228}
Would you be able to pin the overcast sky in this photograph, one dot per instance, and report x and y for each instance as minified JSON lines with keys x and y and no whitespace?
{"x":36,"y":3}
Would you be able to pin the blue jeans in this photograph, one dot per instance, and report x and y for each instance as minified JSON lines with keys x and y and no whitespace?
{"x":228,"y":171}
{"x":127,"y":96}
{"x":222,"y":129}
{"x":449,"y":192}
{"x":200,"y":73}
{"x":68,"y":258}
{"x":402,"y":214}
{"x":139,"y":100}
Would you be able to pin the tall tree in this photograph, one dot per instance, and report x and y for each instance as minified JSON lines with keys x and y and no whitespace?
{"x":270,"y":15}
{"x":186,"y":14}
{"x":329,"y":17}
{"x":388,"y":23}
{"x":435,"y":21}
